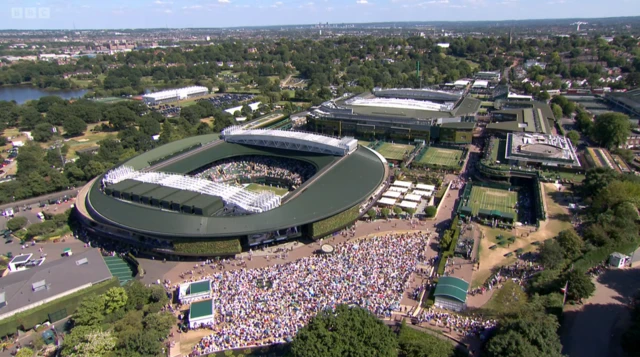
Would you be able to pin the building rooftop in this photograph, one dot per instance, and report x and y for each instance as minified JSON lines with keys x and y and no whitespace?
{"x":46,"y":281}
{"x":549,"y":150}
{"x":452,"y":288}
{"x":178,"y":92}
{"x":201,"y":309}
{"x":399,"y":103}
{"x":199,"y":287}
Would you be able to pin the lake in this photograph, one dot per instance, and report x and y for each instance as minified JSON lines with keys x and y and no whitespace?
{"x":22,"y":94}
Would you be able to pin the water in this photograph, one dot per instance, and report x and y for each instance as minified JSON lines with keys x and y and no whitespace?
{"x":22,"y":94}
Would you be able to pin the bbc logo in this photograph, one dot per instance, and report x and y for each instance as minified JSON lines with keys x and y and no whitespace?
{"x":30,"y":13}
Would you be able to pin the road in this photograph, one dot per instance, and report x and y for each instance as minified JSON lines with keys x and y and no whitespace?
{"x":36,"y":200}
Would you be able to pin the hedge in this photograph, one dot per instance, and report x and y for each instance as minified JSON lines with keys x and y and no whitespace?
{"x":209,"y":247}
{"x":332,"y":224}
{"x":29,"y":319}
{"x":599,"y":255}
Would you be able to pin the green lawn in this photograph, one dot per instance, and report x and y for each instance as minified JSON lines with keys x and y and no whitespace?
{"x":441,"y":157}
{"x":257,"y":187}
{"x":394,"y":151}
{"x":492,"y":199}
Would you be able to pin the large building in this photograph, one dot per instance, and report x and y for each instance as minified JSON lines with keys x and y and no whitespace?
{"x":629,"y":102}
{"x":451,"y":293}
{"x":174,"y":95}
{"x":524,"y":149}
{"x":399,"y":114}
{"x":156,"y":203}
{"x":25,"y":290}
{"x":524,"y":117}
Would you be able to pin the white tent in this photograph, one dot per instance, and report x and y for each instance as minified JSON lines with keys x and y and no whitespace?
{"x":398,"y":189}
{"x":423,"y":193}
{"x":424,"y":187}
{"x":412,"y":197}
{"x":387,"y":201}
{"x":408,"y":204}
{"x":399,"y":183}
{"x":392,"y":194}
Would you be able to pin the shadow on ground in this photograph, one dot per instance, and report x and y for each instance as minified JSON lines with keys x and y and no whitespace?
{"x":596,"y":329}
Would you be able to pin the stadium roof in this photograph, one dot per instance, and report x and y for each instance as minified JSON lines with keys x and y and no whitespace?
{"x":422,"y":94}
{"x":629,"y":100}
{"x":399,"y":104}
{"x":452,"y":288}
{"x":531,"y":117}
{"x":349,"y":181}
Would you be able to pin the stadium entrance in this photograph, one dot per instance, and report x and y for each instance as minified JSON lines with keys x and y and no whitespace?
{"x":276,"y":236}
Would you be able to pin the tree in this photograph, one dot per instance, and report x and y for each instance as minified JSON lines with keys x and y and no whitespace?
{"x":148,"y":125}
{"x":90,"y":312}
{"x":138,"y":295}
{"x":574,"y":136}
{"x":611,"y":129}
{"x":557,"y":111}
{"x":345,"y":331}
{"x":17,"y":223}
{"x":431,"y":211}
{"x":25,"y":352}
{"x":571,"y":243}
{"x":43,"y":132}
{"x":115,"y":299}
{"x":583,"y":121}
{"x":385,"y":212}
{"x":372,"y":213}
{"x":580,"y":285}
{"x":551,"y":254}
{"x":93,"y":344}
{"x":510,"y":298}
{"x":29,"y":118}
{"x":413,"y":343}
{"x":120,"y":117}
{"x":74,"y":126}
{"x":397,"y":211}
{"x":529,"y":334}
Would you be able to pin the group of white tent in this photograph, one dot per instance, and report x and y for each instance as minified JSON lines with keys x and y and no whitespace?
{"x":411,"y":199}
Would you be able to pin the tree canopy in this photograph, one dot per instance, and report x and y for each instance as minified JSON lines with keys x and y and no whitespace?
{"x":345,"y":332}
{"x":611,"y":129}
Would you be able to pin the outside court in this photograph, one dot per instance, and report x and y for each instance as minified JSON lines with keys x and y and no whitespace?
{"x":394,"y":151}
{"x":441,"y":157}
{"x":492,"y":199}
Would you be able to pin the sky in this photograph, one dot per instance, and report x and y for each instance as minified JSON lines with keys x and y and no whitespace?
{"x":115,"y":14}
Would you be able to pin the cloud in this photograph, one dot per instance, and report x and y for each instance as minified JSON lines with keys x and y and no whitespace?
{"x":167,"y":11}
{"x":224,"y":1}
{"x":362,"y":2}
{"x":277,"y":4}
{"x":192,"y":7}
{"x":160,"y":2}
{"x":437,"y":2}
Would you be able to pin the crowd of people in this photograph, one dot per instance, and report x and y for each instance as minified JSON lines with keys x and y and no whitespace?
{"x":264,"y":306}
{"x":462,"y":325}
{"x":294,"y":172}
{"x":519,"y":272}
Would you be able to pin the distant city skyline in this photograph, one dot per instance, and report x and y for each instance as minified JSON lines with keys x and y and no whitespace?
{"x":116,"y":14}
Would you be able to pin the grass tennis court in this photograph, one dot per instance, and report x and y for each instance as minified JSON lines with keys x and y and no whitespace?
{"x":441,"y":157}
{"x":492,"y":199}
{"x":394,"y":151}
{"x":257,"y":187}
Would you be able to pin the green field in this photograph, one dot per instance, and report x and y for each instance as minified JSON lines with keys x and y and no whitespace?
{"x":364,"y":143}
{"x":441,"y":157}
{"x":492,"y":199}
{"x":110,"y":100}
{"x":257,"y":187}
{"x":394,"y":151}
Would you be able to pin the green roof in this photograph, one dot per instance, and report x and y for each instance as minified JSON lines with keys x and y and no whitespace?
{"x":452,"y":288}
{"x":468,"y":125}
{"x":350,"y":181}
{"x":199,"y":287}
{"x":200,"y":309}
